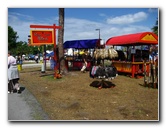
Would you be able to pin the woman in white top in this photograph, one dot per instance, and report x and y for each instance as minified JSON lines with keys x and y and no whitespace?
{"x":13,"y":74}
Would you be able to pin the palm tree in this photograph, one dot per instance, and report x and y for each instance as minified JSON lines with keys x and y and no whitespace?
{"x":60,"y":41}
{"x":155,"y":28}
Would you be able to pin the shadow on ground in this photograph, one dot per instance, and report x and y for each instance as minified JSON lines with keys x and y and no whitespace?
{"x":102,"y":84}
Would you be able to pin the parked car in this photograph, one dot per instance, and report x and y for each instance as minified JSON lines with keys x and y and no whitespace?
{"x":31,"y":57}
{"x":26,"y":57}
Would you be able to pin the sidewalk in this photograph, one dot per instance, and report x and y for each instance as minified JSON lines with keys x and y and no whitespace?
{"x":24,"y":107}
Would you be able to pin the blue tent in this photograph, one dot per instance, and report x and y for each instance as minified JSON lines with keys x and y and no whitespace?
{"x":81,"y":44}
{"x":50,"y":54}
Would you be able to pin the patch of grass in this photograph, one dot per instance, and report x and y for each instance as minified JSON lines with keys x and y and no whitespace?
{"x":51,"y":78}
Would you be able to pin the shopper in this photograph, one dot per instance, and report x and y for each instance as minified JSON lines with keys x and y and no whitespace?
{"x":13,"y":74}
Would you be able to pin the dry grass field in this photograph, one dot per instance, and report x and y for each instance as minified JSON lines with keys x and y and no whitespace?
{"x":72,"y":97}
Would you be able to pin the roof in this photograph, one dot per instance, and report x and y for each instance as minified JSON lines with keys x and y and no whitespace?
{"x":81,"y":44}
{"x":50,"y":54}
{"x":144,"y":38}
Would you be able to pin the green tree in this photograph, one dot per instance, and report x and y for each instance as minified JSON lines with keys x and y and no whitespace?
{"x":12,"y":39}
{"x":23,"y":48}
{"x":49,"y":47}
{"x":155,"y":28}
{"x":19,"y":50}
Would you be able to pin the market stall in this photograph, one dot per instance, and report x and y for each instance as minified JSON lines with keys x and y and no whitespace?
{"x":133,"y":63}
{"x":75,"y":61}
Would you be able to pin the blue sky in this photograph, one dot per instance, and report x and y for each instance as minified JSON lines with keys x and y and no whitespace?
{"x":81,"y":23}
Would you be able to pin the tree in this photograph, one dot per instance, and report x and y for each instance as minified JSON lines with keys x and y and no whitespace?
{"x":60,"y":41}
{"x":49,"y":47}
{"x":155,"y":28}
{"x":20,"y":48}
{"x":12,"y":39}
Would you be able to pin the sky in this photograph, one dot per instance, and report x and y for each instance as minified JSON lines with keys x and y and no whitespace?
{"x":81,"y":23}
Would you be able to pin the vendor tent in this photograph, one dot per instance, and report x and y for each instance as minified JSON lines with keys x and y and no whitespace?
{"x":144,"y":38}
{"x":50,"y":54}
{"x":81,"y":44}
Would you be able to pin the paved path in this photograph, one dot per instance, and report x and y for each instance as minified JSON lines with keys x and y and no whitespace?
{"x":34,"y":65}
{"x":24,"y":107}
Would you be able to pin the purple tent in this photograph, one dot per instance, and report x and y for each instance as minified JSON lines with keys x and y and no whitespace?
{"x":81,"y":44}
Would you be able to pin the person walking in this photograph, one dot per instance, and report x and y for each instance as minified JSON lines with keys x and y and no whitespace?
{"x":36,"y":58}
{"x":13,"y":74}
{"x":85,"y":63}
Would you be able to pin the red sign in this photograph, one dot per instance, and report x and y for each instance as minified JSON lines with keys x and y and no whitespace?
{"x":40,"y":37}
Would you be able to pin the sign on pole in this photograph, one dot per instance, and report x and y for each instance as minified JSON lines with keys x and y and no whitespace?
{"x":42,"y":37}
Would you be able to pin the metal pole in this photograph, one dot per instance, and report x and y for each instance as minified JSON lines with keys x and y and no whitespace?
{"x":99,"y":37}
{"x":55,"y":56}
{"x":99,"y":32}
{"x":43,"y":68}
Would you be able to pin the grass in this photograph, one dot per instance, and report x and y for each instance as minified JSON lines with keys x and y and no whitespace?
{"x":72,"y":97}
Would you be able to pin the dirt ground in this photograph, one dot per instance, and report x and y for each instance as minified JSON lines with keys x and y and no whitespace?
{"x":72,"y":97}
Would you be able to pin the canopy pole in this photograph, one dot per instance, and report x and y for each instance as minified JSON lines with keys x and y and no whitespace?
{"x":133,"y":65}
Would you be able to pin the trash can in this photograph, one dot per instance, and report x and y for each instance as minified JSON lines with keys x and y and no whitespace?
{"x":19,"y":67}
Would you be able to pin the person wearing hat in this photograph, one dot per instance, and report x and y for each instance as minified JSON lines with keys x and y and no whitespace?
{"x":13,"y":74}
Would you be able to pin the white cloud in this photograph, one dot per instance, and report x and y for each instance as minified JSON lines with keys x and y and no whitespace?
{"x":27,"y":17}
{"x":102,"y":14}
{"x":12,"y":19}
{"x":127,"y":19}
{"x":108,"y":32}
{"x":80,"y":28}
{"x":77,"y":28}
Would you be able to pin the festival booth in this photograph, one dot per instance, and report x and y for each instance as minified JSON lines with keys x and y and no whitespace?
{"x":133,"y":63}
{"x":75,"y":61}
